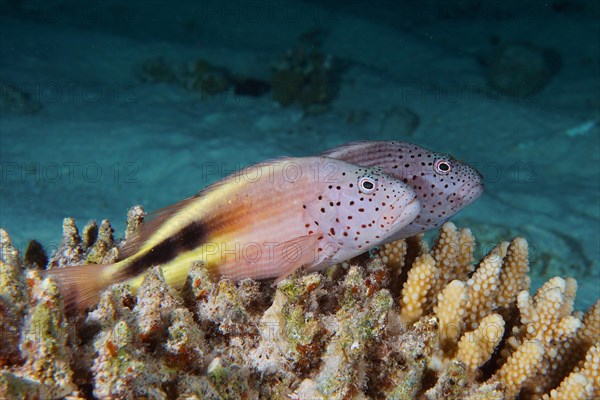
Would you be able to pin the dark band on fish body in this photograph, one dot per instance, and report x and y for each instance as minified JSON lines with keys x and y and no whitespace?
{"x":186,"y":239}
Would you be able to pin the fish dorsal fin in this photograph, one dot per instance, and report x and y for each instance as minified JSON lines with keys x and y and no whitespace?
{"x":293,"y":254}
{"x":151,"y":223}
{"x":353,"y":151}
{"x":347,"y":146}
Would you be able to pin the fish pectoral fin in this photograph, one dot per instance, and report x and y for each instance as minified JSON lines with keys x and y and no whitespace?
{"x":327,"y":257}
{"x":293,"y":254}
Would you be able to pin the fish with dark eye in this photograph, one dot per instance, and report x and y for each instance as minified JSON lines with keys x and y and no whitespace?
{"x":443,"y":184}
{"x":263,"y":222}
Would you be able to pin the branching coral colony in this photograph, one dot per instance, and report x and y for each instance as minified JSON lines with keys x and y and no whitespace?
{"x":407,"y":323}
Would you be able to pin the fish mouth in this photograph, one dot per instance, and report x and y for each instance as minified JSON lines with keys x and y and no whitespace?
{"x":473,"y":193}
{"x":408,"y":214}
{"x":466,"y":195}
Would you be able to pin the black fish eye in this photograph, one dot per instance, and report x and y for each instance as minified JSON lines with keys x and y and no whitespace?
{"x":442,"y":167}
{"x":367,"y":185}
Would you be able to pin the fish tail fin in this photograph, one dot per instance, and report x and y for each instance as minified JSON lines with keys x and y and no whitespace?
{"x":81,"y":285}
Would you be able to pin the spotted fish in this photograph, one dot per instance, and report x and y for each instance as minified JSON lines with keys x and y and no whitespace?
{"x":263,"y":222}
{"x":443,"y":184}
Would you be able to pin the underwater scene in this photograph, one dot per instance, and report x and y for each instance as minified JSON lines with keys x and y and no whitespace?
{"x":300,"y":199}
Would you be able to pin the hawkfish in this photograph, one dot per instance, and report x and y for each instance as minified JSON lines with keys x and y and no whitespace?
{"x":443,"y":184}
{"x":264,"y":222}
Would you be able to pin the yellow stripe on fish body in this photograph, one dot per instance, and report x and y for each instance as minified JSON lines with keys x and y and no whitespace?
{"x":225,"y":211}
{"x":195,"y":216}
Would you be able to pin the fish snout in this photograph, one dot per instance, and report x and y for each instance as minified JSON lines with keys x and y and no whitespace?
{"x":465,"y":195}
{"x":401,"y":212}
{"x":410,"y":212}
{"x":469,"y":193}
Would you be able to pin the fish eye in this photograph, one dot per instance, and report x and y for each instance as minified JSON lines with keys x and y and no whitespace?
{"x":442,"y":166}
{"x":367,"y":185}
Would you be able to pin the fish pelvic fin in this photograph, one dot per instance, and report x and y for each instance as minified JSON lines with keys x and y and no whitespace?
{"x":294,"y":254}
{"x":80,"y":285}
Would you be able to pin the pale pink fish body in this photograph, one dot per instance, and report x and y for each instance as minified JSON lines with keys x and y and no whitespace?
{"x":264,"y":222}
{"x":312,"y":212}
{"x":444,"y":185}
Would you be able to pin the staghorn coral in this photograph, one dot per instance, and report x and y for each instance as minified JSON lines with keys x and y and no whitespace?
{"x":141,"y":347}
{"x":13,"y":300}
{"x":393,"y":254}
{"x":453,"y":254}
{"x":96,"y":245}
{"x":450,"y":312}
{"x":482,"y":289}
{"x":546,"y":339}
{"x":583,"y":382}
{"x":501,"y":249}
{"x":590,"y":327}
{"x":466,"y":243}
{"x":445,"y":252}
{"x":341,"y":373}
{"x":574,"y":387}
{"x":519,"y":367}
{"x":44,"y":338}
{"x":547,"y":316}
{"x":591,"y":369}
{"x":43,"y":368}
{"x":360,"y":330}
{"x":547,"y":319}
{"x":476,"y":347}
{"x":514,"y":278}
{"x":414,"y":294}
